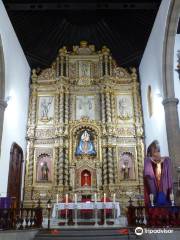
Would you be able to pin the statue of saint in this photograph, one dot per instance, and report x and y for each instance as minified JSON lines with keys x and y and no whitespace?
{"x":45,"y":107}
{"x":157,"y":176}
{"x":44,"y":171}
{"x":85,"y":146}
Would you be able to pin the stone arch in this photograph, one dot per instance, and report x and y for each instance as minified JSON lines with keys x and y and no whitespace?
{"x":168,"y":48}
{"x":2,"y":90}
{"x":170,"y":102}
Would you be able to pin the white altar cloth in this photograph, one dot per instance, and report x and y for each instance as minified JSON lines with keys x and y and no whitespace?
{"x":86,"y":205}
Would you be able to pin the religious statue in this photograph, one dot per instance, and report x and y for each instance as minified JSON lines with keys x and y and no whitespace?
{"x":85,"y":145}
{"x":44,"y":171}
{"x":126,"y":165}
{"x":45,"y":107}
{"x":157,"y":177}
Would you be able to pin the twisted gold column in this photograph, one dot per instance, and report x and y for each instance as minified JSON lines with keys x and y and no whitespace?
{"x":110,"y":166}
{"x":104,"y":158}
{"x":61,"y":166}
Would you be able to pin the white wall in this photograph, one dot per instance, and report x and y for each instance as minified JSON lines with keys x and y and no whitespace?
{"x":151,"y":74}
{"x":176,"y":76}
{"x":17,"y":73}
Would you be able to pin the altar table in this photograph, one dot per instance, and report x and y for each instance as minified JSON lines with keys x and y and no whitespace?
{"x":86,"y":205}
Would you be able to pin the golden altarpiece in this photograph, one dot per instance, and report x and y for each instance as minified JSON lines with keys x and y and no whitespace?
{"x":85,"y":130}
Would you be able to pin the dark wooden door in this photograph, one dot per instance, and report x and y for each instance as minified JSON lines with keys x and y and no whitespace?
{"x":15,"y":173}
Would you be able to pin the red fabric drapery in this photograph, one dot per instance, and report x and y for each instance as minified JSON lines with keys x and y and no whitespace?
{"x":85,"y":178}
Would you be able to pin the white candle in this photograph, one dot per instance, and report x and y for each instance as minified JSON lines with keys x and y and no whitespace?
{"x":57,"y":197}
{"x":66,"y":198}
{"x":104,"y":197}
{"x":114,"y":197}
{"x":95,"y":197}
{"x":75,"y":198}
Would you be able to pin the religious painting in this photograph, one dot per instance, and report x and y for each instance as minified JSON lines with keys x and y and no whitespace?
{"x":124,"y":107}
{"x":44,"y":168}
{"x":46,"y":108}
{"x":84,"y":69}
{"x":85,"y":107}
{"x":126,"y":166}
{"x":85,"y":144}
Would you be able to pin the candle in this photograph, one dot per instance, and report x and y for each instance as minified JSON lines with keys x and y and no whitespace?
{"x":104,"y":197}
{"x":57,"y":197}
{"x":75,"y":198}
{"x":114,"y":197}
{"x":66,"y":198}
{"x":95,"y":197}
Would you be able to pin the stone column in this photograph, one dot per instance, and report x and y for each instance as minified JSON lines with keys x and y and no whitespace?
{"x":110,"y":166}
{"x":173,"y":135}
{"x":61,"y":166}
{"x":3,"y":105}
{"x":104,"y":158}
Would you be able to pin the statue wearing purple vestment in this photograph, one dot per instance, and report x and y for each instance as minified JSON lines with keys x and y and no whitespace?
{"x":157,"y":176}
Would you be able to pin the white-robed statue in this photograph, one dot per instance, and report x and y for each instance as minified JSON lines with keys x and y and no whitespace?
{"x":85,"y":145}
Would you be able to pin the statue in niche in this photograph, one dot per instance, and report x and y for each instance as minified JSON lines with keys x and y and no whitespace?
{"x":45,"y":106}
{"x":126,"y":165}
{"x":44,"y":171}
{"x":85,"y":145}
{"x":124,"y":107}
{"x":44,"y":168}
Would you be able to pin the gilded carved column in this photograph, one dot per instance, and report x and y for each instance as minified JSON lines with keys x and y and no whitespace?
{"x":56,"y":162}
{"x":110,"y":166}
{"x":62,"y":66}
{"x":57,"y":67}
{"x":108,"y":107}
{"x":103,"y":118}
{"x":101,"y":65}
{"x":67,"y":66}
{"x":115,"y":164}
{"x":66,"y":112}
{"x":106,"y":64}
{"x":61,"y":106}
{"x":113,"y":107}
{"x":66,"y":171}
{"x":56,"y":108}
{"x":104,"y":158}
{"x":33,"y":106}
{"x":61,"y":166}
{"x":30,"y":156}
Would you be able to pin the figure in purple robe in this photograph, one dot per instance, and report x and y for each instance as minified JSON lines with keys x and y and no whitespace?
{"x":157,"y":176}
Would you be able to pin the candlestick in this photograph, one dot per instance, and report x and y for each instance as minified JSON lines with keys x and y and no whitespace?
{"x":114,"y":198}
{"x":104,"y":197}
{"x":57,"y":197}
{"x":75,"y":198}
{"x":151,"y":196}
{"x":95,"y":197}
{"x":66,"y":198}
{"x":172,"y":198}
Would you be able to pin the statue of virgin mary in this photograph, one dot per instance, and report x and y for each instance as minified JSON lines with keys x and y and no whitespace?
{"x":85,"y":145}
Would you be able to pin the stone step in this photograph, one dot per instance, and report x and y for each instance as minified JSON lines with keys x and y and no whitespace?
{"x":81,"y":233}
